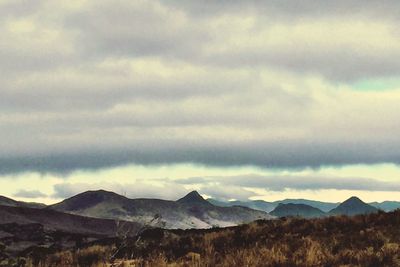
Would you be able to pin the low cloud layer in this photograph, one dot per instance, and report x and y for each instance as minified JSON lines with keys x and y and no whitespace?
{"x":97,"y":84}
{"x":281,"y":183}
{"x":30,"y":194}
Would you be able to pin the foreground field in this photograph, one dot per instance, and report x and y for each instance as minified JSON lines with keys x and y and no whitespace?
{"x":364,"y":240}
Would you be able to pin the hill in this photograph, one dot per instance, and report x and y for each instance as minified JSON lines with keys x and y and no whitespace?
{"x":270,"y":206}
{"x":191,"y":211}
{"x":323,"y":206}
{"x":24,"y":230}
{"x":297,"y":210}
{"x":5,"y":201}
{"x":353,"y":206}
{"x":386,"y":205}
{"x":57,"y":221}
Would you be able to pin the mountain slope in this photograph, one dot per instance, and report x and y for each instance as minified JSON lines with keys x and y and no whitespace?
{"x":5,"y":201}
{"x":353,"y":206}
{"x":297,"y":210}
{"x":58,"y":221}
{"x":191,"y":211}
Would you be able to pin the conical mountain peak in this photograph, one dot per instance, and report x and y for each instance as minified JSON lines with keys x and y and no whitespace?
{"x":354,"y":199}
{"x":353,"y":206}
{"x":193,"y":198}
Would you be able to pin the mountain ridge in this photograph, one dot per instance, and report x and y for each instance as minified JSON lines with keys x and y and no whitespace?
{"x":190,"y":211}
{"x":324,"y":206}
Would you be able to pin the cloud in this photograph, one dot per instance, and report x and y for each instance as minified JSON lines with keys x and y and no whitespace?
{"x":30,"y":194}
{"x":91,"y":85}
{"x":282,"y":182}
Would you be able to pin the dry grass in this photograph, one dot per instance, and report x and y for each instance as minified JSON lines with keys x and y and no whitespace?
{"x":370,"y":240}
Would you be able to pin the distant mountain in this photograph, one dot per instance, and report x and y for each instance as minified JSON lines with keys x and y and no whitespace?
{"x":353,"y":206}
{"x":297,"y":210}
{"x":191,"y":211}
{"x":252,"y":204}
{"x":269,"y":206}
{"x":324,"y":206}
{"x":386,"y":205}
{"x":5,"y":201}
{"x":221,"y":203}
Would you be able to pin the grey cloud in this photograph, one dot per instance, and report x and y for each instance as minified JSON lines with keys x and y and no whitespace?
{"x":150,"y":29}
{"x":170,"y":30}
{"x":288,"y":9}
{"x":339,"y":64}
{"x":281,"y":182}
{"x":211,"y":154}
{"x":115,"y":83}
{"x":29,"y":194}
{"x":143,"y":28}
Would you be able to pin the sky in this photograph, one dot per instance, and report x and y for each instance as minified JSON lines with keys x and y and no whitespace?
{"x":236,"y":99}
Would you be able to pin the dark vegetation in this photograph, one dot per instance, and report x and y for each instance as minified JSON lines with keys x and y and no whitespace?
{"x":362,"y":240}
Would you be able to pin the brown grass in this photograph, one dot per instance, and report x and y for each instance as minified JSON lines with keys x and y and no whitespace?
{"x":367,"y":240}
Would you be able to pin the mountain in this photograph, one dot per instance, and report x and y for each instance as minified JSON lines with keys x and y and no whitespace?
{"x":323,"y":206}
{"x":252,"y":204}
{"x":5,"y":201}
{"x":221,"y":203}
{"x":353,"y":206}
{"x":386,"y":205}
{"x":269,"y":206}
{"x":194,"y":199}
{"x":24,"y":230}
{"x":191,"y":211}
{"x":57,"y":221}
{"x":256,"y":204}
{"x":297,"y":210}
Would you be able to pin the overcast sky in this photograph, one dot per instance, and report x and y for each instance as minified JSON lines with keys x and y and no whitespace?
{"x":237,"y":99}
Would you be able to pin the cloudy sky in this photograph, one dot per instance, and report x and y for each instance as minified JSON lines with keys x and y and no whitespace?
{"x":237,"y":99}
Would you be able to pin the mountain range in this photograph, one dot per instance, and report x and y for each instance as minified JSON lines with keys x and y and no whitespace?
{"x":323,"y":206}
{"x":350,"y":207}
{"x":100,"y":215}
{"x":191,"y":211}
